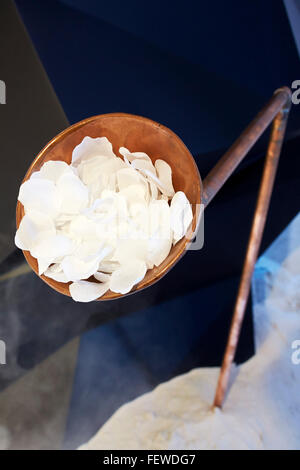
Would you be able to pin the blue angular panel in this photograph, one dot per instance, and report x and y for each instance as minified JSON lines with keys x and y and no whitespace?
{"x":97,"y":67}
{"x":248,"y":42}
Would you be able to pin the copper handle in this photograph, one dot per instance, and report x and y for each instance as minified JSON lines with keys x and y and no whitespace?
{"x":280,"y":102}
{"x":276,"y":110}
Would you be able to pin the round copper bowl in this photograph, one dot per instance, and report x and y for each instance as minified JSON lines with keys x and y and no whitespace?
{"x":137,"y":134}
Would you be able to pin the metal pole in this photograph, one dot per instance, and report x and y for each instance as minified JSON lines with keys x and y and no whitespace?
{"x":282,"y":100}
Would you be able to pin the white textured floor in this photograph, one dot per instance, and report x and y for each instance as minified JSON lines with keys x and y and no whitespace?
{"x":262,"y":409}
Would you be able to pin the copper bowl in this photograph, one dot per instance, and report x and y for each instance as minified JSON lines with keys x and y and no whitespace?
{"x":137,"y":134}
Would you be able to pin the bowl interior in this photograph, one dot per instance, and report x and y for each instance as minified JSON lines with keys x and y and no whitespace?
{"x":137,"y":134}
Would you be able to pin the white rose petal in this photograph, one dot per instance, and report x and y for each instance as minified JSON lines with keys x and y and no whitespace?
{"x":92,"y":147}
{"x":154,"y":191}
{"x":55,"y":272}
{"x":85,"y":291}
{"x":43,"y":264}
{"x":128,"y":275}
{"x":130,"y":249}
{"x":33,"y":226}
{"x":53,"y":170}
{"x":73,"y":193}
{"x":82,"y":264}
{"x":108,"y":266}
{"x":158,"y":250}
{"x":127,"y":177}
{"x":140,"y":164}
{"x":151,"y":177}
{"x":52,"y":247}
{"x":130,"y":156}
{"x":40,"y":195}
{"x":159,"y":219}
{"x":76,"y":269}
{"x":164,"y":174}
{"x":102,"y":277}
{"x":90,"y":170}
{"x":134,"y":193}
{"x":82,"y":227}
{"x":181,"y":215}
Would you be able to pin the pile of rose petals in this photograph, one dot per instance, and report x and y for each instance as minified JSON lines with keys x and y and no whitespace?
{"x":101,"y":216}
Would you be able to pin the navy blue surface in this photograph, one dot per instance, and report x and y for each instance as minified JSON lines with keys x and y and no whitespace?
{"x":97,"y":67}
{"x":247,"y":42}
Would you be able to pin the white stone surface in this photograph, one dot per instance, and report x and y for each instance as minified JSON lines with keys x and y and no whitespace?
{"x":262,"y":409}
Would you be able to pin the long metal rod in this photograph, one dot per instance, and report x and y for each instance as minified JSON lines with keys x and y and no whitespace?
{"x":237,"y":152}
{"x":258,"y":224}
